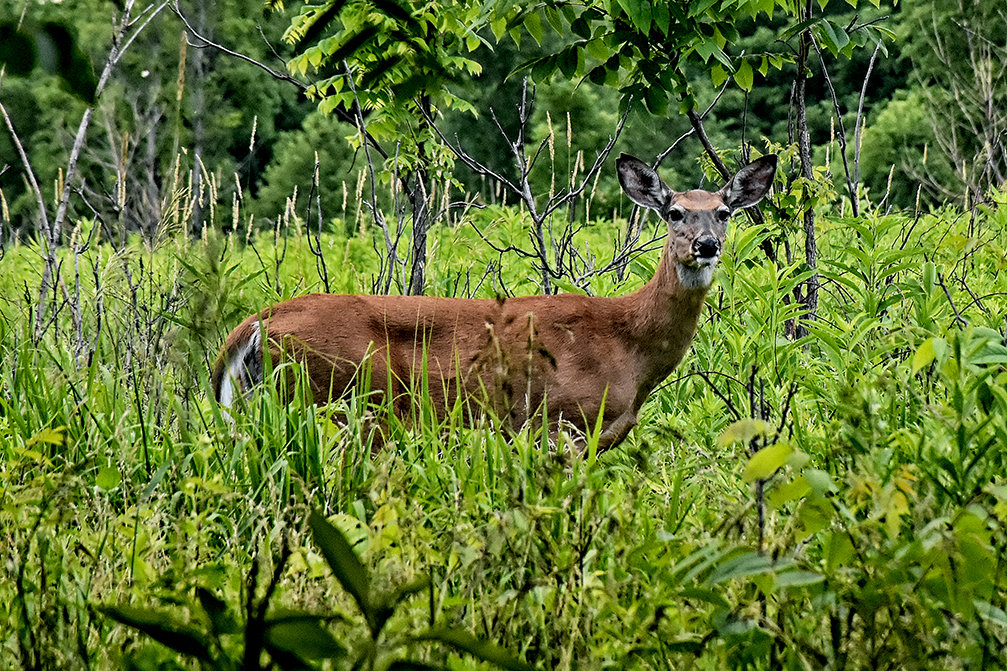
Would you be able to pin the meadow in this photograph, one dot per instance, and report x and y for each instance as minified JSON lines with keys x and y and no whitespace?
{"x":836,"y":500}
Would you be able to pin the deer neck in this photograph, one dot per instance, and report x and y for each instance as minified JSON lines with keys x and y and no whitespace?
{"x":666,"y":312}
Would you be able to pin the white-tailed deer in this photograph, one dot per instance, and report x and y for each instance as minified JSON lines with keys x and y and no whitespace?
{"x":574,"y":355}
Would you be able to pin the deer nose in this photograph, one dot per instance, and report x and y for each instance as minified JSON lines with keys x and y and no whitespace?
{"x":706,"y":247}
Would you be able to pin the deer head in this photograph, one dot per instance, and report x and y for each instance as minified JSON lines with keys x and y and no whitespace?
{"x":697,"y":219}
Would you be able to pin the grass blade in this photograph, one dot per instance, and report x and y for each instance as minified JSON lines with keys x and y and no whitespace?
{"x":343,"y":560}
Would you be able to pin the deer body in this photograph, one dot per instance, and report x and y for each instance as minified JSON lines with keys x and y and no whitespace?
{"x":575,"y":355}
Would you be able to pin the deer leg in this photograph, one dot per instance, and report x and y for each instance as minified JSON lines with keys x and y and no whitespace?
{"x":617,"y":431}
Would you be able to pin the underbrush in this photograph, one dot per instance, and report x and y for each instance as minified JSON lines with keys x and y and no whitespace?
{"x":832,"y":501}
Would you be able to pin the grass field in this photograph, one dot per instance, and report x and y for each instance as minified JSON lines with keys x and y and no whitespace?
{"x":836,"y":501}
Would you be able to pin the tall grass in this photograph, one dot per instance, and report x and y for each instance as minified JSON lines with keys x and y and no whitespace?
{"x":836,"y":501}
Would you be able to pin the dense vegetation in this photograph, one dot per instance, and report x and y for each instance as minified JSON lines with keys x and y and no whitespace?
{"x":821,"y":485}
{"x":879,"y":439}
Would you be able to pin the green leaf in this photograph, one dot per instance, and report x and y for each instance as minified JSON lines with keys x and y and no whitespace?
{"x":398,"y":11}
{"x":707,"y":49}
{"x":791,"y":491}
{"x":800,"y":27}
{"x":718,"y":76}
{"x":990,"y":354}
{"x":543,"y":68}
{"x":344,"y":562}
{"x":766,"y":461}
{"x":924,"y":355}
{"x":49,"y":436}
{"x":797,"y":578}
{"x":581,"y":28}
{"x":554,"y":18}
{"x":483,"y":650}
{"x":838,"y":549}
{"x":108,"y":477}
{"x":661,"y":16}
{"x":499,"y":28}
{"x":744,"y":431}
{"x":743,"y":566}
{"x":744,"y":76}
{"x":162,"y":628}
{"x":352,"y":44}
{"x":319,"y":20}
{"x":598,"y":49}
{"x":820,"y":481}
{"x":639,"y":13}
{"x":932,"y":349}
{"x":701,"y":7}
{"x":598,"y":75}
{"x":656,"y":100}
{"x":992,"y":614}
{"x":533,"y":24}
{"x":303,"y":636}
{"x":402,"y":665}
{"x":833,"y":40}
{"x":568,"y":61}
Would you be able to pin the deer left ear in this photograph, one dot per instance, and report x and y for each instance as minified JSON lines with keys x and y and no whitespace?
{"x":751,"y":183}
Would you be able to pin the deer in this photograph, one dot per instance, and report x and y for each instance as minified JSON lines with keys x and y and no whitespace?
{"x":566,"y":359}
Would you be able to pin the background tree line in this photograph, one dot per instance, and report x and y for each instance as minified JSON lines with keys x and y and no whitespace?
{"x":911,"y":96}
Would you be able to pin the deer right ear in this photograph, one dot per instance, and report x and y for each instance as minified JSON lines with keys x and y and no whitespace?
{"x":642,"y":183}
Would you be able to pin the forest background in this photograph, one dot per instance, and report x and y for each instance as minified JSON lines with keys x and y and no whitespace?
{"x":821,"y":485}
{"x":918,"y":83}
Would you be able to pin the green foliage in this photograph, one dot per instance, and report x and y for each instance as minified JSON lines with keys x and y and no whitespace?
{"x":292,"y":169}
{"x":50,"y":46}
{"x":291,"y":639}
{"x":834,"y":501}
{"x":952,"y":47}
{"x":383,"y":55}
{"x":648,"y":48}
{"x":877,"y":443}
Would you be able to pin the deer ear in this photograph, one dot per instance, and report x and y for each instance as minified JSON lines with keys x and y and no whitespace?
{"x":642,"y":183}
{"x":751,"y":183}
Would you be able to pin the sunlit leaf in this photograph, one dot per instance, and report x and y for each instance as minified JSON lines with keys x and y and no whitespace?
{"x":108,"y":478}
{"x":744,"y":431}
{"x":744,"y":76}
{"x":766,"y":461}
{"x":47,"y":436}
{"x":924,"y":356}
{"x":639,"y":13}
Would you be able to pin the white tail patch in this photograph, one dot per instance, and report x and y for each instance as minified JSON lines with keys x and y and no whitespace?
{"x":243,"y":370}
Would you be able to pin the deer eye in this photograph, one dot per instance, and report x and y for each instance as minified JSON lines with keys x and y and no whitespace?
{"x":675,"y":215}
{"x":723,"y":215}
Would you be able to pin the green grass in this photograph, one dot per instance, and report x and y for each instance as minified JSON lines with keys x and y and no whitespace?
{"x":886,"y":433}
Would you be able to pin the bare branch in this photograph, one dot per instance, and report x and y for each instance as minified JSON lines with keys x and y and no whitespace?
{"x":206,"y":42}
{"x":29,"y":173}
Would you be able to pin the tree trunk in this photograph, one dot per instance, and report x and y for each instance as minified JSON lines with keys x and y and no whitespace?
{"x":197,"y":91}
{"x":420,"y":198}
{"x":810,"y":298}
